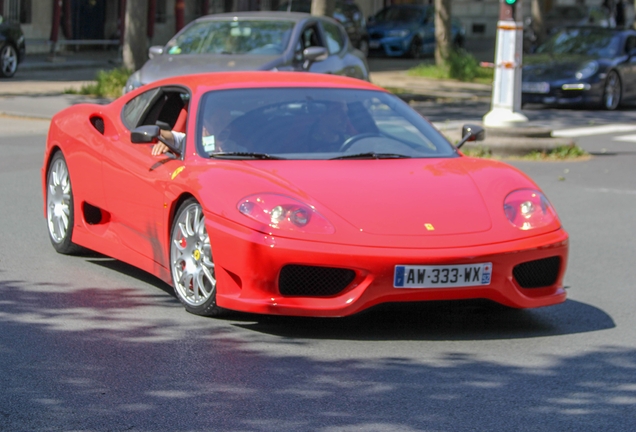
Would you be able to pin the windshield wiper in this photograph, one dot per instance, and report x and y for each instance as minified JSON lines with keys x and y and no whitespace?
{"x":373,"y":155}
{"x":243,"y":155}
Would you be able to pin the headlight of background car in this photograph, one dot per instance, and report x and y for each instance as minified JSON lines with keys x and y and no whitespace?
{"x":527,"y":209}
{"x":398,"y":33}
{"x":588,"y":69}
{"x":284,"y":213}
{"x":134,"y":81}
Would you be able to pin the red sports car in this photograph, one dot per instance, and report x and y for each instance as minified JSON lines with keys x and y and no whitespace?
{"x":296,"y":194}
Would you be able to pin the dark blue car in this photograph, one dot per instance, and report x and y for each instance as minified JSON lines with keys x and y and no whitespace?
{"x":408,"y":30}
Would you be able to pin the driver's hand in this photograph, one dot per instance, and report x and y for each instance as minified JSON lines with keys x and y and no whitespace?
{"x":159,"y":149}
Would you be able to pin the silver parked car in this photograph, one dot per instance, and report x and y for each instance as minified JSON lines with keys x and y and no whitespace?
{"x":254,"y":41}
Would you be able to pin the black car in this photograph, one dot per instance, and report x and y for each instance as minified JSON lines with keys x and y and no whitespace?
{"x":346,"y":12}
{"x":582,"y":66}
{"x":12,"y":48}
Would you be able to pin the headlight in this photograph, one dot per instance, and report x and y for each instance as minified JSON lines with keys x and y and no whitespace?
{"x":527,"y":209}
{"x":588,"y":69}
{"x":398,"y":33}
{"x":134,"y":81}
{"x":283,"y":213}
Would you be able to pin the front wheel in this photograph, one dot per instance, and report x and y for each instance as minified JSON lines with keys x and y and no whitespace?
{"x":60,"y":211}
{"x":191,"y":262}
{"x":415,"y":49}
{"x":612,"y":93}
{"x":8,"y":61}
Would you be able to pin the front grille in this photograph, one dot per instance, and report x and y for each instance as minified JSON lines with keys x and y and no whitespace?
{"x":538,"y":273}
{"x":312,"y":281}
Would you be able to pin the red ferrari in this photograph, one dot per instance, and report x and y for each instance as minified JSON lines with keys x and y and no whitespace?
{"x":296,"y":194}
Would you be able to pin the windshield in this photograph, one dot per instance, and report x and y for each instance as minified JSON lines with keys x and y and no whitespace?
{"x":401,"y":14}
{"x":310,"y":123}
{"x":583,"y":41}
{"x":233,"y":37}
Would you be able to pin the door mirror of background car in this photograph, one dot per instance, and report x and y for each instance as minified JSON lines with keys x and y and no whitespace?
{"x":632,"y":53}
{"x":155,"y":51}
{"x":471,"y":133}
{"x":314,"y":54}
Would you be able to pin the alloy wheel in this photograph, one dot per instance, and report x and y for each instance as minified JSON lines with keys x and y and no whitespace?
{"x":8,"y":61}
{"x":191,"y":260}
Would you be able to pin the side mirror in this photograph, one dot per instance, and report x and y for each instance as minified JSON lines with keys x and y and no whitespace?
{"x":314,"y":54}
{"x":632,"y":52}
{"x":150,"y":134}
{"x":155,"y":51}
{"x":471,"y":133}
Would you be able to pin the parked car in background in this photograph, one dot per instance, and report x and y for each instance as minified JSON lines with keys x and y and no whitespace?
{"x":408,"y":30}
{"x":12,"y":47}
{"x":269,"y":41}
{"x":582,"y":65}
{"x":346,"y":12}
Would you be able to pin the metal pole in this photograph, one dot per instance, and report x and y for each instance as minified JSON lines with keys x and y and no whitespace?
{"x":506,"y":88}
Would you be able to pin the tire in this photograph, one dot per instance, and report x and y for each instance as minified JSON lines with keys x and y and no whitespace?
{"x":612,"y":92}
{"x":8,"y":61}
{"x":60,"y":210}
{"x":415,"y":49}
{"x":191,"y":263}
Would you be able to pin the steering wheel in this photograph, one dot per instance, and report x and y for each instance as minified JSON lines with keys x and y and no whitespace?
{"x":354,"y":139}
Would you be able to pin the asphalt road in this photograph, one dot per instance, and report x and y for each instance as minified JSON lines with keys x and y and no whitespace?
{"x":88,"y":343}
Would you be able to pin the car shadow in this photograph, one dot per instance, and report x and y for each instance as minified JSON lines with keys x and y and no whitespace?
{"x":440,"y":320}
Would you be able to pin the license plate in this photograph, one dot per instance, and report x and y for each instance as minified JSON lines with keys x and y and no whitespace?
{"x":535,"y":87}
{"x":374,"y":44}
{"x":442,"y":276}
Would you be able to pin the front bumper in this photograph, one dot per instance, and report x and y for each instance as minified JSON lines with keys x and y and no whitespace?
{"x":391,"y":46}
{"x":248,"y":267}
{"x":567,"y":94}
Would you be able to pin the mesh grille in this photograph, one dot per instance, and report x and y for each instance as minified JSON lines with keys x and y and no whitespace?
{"x":311,"y":281}
{"x":537,"y":274}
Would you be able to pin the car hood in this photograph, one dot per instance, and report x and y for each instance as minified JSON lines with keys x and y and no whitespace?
{"x":391,"y":203}
{"x":549,"y":67}
{"x":391,"y":25}
{"x":165,"y":66}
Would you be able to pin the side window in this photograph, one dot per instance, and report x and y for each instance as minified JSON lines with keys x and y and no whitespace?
{"x":335,"y":39}
{"x":167,"y":108}
{"x":133,"y":110}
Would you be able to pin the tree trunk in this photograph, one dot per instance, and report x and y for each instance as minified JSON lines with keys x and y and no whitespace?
{"x":536,"y":9}
{"x":442,"y":31}
{"x":322,"y":7}
{"x":135,"y":49}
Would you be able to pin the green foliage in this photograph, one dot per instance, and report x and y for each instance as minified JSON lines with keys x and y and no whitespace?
{"x":108,"y":84}
{"x":571,"y":151}
{"x":478,"y":151}
{"x":460,"y":65}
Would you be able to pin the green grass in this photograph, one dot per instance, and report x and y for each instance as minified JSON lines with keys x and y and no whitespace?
{"x":108,"y":84}
{"x":571,"y":151}
{"x":461,"y":66}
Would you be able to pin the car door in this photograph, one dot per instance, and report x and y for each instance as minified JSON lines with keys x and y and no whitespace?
{"x":135,"y":180}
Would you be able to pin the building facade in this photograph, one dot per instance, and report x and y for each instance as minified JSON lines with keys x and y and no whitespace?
{"x":98,"y":22}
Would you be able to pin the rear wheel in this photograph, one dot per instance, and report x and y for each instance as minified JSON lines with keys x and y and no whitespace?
{"x":191,"y":263}
{"x":8,"y":61}
{"x":612,"y":93}
{"x":60,"y":211}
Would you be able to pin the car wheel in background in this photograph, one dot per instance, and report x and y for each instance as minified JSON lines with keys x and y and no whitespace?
{"x":191,"y":263}
{"x":612,"y":93}
{"x":415,"y":49}
{"x":60,"y":213}
{"x":8,"y":61}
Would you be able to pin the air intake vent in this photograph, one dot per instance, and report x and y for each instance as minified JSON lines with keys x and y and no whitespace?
{"x":98,"y":123}
{"x":311,"y":281}
{"x":537,"y":274}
